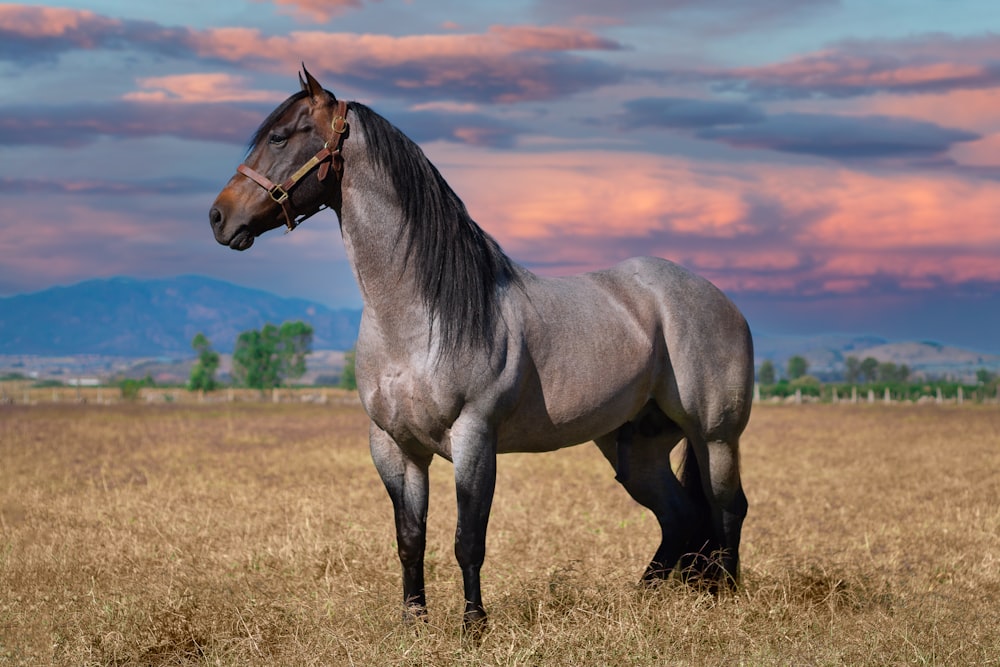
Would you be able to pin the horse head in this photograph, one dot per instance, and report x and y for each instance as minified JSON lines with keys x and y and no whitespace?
{"x":301,"y":136}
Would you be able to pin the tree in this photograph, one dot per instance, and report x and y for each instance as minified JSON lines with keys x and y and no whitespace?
{"x":294,"y":344}
{"x":797,"y":367}
{"x":869,"y":369}
{"x":203,"y":372}
{"x":265,"y":359}
{"x":852,"y":369}
{"x":766,"y":373}
{"x":347,"y":378}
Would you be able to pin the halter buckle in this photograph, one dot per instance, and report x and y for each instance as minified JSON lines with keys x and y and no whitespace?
{"x":278,"y":194}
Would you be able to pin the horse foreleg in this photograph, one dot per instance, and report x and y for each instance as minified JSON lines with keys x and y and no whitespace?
{"x":473,"y":448}
{"x":405,"y":478}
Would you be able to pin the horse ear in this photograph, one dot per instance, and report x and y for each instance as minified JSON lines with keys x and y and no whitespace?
{"x":310,"y":84}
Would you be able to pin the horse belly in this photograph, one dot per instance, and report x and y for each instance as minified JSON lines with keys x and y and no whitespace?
{"x":573,"y":405}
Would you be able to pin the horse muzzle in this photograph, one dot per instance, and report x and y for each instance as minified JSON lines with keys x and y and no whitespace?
{"x":237,"y":237}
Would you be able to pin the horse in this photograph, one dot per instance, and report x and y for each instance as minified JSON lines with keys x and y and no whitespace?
{"x":464,"y":354}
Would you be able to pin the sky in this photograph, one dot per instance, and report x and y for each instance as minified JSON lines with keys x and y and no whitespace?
{"x":832,"y":165}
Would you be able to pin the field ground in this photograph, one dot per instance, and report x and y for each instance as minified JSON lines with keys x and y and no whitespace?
{"x":260,"y":534}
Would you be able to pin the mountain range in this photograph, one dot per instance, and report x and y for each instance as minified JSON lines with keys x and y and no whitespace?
{"x":133,"y":318}
{"x":128,"y":317}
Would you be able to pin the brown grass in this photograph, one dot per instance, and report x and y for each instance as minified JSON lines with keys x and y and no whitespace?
{"x":260,"y":534}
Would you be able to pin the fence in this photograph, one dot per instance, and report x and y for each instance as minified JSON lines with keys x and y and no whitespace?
{"x":884,"y":395}
{"x":24,"y":393}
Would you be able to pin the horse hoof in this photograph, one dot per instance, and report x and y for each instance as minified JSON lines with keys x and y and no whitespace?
{"x":474,"y":627}
{"x":415,"y":615}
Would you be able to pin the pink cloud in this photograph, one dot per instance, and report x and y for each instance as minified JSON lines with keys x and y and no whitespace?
{"x":200,"y":88}
{"x":930,"y":63}
{"x":316,"y":10}
{"x":353,"y":49}
{"x":823,"y":227}
{"x":30,"y":21}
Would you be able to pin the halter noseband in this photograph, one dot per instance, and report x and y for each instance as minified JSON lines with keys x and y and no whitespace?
{"x":329,"y":154}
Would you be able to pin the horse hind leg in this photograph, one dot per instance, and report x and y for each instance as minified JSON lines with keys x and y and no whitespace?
{"x":713,"y":465}
{"x":640,"y":455}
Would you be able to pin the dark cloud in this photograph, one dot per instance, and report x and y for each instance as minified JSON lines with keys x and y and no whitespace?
{"x":80,"y":125}
{"x":516,"y":77}
{"x":841,"y":137}
{"x":44,"y":186}
{"x":226,"y":123}
{"x":824,"y":135}
{"x":687,"y":113}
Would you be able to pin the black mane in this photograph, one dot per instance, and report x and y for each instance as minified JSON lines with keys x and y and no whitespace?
{"x":461,"y":271}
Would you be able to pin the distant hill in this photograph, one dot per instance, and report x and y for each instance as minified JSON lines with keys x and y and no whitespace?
{"x":826,"y":354}
{"x":127,"y":317}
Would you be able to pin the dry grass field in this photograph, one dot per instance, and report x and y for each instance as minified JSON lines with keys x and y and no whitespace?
{"x":260,"y":534}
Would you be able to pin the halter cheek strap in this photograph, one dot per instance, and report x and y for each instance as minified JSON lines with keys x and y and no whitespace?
{"x":327,"y":156}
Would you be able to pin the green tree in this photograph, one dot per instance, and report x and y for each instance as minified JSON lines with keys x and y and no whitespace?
{"x":852,"y":369}
{"x":294,"y":344}
{"x":797,"y":367}
{"x":203,"y":372}
{"x":869,"y":369}
{"x":130,"y":386}
{"x":984,"y":376}
{"x":267,"y":358}
{"x":766,"y":374}
{"x":347,"y":378}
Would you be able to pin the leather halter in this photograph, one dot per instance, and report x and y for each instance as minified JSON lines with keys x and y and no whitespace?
{"x":327,"y":156}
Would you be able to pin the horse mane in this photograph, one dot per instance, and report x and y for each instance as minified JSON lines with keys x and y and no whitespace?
{"x":461,"y":271}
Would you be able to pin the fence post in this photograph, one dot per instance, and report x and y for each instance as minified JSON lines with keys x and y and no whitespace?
{"x":836,"y":396}
{"x":871,"y":395}
{"x":961,"y":395}
{"x":756,"y":393}
{"x":888,"y":396}
{"x":854,"y":394}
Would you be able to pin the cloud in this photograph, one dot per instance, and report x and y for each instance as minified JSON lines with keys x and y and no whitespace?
{"x":31,"y":34}
{"x":75,"y":126}
{"x":503,"y":64}
{"x":765,"y":228}
{"x":97,"y":187}
{"x":212,"y":87}
{"x":841,"y":137}
{"x":315,"y":10}
{"x":459,"y":127}
{"x":929,"y":63}
{"x":712,"y":15}
{"x":687,"y":113}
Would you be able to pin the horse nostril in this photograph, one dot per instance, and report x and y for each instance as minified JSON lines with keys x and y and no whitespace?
{"x":215,"y":217}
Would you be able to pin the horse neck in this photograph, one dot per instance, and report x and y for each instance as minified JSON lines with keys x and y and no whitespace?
{"x":371,"y":222}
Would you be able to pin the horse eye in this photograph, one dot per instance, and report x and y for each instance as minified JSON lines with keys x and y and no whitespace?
{"x":277,"y":139}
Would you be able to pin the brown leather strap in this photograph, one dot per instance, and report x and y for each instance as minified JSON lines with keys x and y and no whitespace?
{"x":327,"y":156}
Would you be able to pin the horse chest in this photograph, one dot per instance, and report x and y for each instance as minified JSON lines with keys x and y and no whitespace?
{"x":409,"y":405}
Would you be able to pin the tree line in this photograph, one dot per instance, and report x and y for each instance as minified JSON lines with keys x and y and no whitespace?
{"x":869,"y":372}
{"x":262,"y":359}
